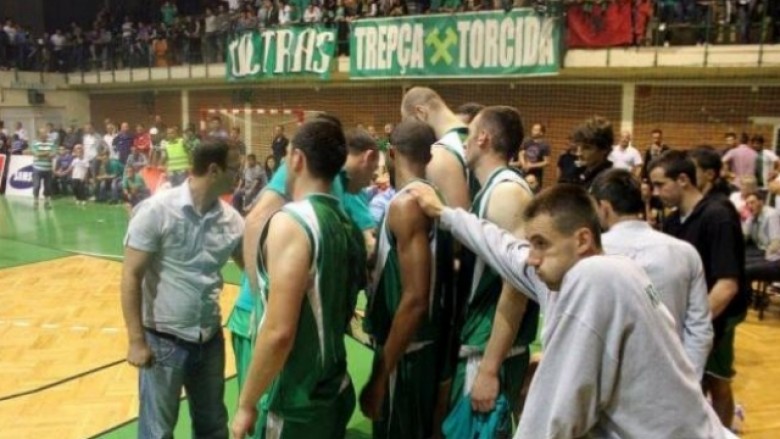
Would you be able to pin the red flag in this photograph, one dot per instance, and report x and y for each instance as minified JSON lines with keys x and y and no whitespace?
{"x":596,"y":26}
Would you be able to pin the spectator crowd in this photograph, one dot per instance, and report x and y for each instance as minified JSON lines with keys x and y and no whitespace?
{"x":166,"y":37}
{"x":121,"y":165}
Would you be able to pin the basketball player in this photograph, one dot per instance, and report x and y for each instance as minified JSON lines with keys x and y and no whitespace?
{"x":447,"y":171}
{"x":403,"y":318}
{"x":613,"y":365}
{"x":361,"y":158}
{"x":499,"y":322}
{"x":311,"y":264}
{"x":447,"y":168}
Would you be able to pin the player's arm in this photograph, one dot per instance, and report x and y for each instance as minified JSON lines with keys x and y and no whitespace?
{"x":410,"y":227}
{"x":289,"y":257}
{"x":511,"y":304}
{"x":447,"y":173}
{"x":504,"y":252}
{"x":269,"y":202}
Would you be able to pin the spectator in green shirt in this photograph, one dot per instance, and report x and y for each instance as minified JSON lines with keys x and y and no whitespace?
{"x":133,"y":188}
{"x":109,"y":173}
{"x":43,"y":154}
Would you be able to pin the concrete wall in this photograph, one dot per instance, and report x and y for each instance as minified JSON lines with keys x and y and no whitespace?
{"x":61,"y":106}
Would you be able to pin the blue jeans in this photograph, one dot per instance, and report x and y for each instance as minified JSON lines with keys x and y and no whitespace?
{"x":200,"y":370}
{"x":44,"y":177}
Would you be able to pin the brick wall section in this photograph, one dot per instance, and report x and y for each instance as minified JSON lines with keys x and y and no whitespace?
{"x":559,"y":107}
{"x":695,"y":116}
{"x":689,"y":116}
{"x":135,"y":108}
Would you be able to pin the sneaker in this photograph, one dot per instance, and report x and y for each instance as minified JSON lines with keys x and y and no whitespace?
{"x":47,"y":204}
{"x":35,"y":204}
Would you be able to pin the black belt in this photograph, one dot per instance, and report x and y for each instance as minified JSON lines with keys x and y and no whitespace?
{"x":174,"y":338}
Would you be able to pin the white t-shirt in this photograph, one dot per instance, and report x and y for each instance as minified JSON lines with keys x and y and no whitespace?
{"x":312,"y":15}
{"x":626,"y":159}
{"x":109,"y":140}
{"x":91,"y":144}
{"x":285,"y":14}
{"x":80,"y":168}
{"x":210,"y":24}
{"x":58,"y":41}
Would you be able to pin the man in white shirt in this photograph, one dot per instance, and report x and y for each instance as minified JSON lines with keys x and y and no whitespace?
{"x":625,"y":156}
{"x":285,"y":13}
{"x":92,"y":142}
{"x":672,"y":265}
{"x":313,"y":14}
{"x":21,"y":132}
{"x":613,"y":365}
{"x":762,"y":252}
{"x":762,"y":230}
{"x":252,"y":181}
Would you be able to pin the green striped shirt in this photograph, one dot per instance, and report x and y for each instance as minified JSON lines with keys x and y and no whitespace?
{"x":43,"y":154}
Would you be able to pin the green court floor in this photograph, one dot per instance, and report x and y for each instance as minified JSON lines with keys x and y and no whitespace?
{"x":30,"y":235}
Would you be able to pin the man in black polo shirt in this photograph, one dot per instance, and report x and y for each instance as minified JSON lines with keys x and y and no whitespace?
{"x":279,"y":144}
{"x":594,"y":139}
{"x":706,"y":219}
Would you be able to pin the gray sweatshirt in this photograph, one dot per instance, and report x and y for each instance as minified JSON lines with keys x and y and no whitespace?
{"x":675,"y":268}
{"x":613,"y":365}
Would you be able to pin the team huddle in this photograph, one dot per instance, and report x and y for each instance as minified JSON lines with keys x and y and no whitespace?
{"x":465,"y":265}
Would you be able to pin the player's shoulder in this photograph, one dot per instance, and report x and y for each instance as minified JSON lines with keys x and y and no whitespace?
{"x":404,"y":202}
{"x":604,"y":270}
{"x":511,"y":189}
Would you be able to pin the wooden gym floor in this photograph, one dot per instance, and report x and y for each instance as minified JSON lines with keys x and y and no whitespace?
{"x":62,"y":339}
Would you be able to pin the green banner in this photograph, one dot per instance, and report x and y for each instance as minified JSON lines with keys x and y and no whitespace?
{"x":483,"y":44}
{"x":293,"y":51}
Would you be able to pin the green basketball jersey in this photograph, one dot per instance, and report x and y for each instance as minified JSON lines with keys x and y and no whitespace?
{"x":454,"y":141}
{"x":316,"y":370}
{"x":385,"y":290}
{"x":484,"y":284}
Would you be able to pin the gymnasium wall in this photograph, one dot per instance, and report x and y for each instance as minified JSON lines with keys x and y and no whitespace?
{"x":59,"y":106}
{"x":688,"y":115}
{"x":691,"y":116}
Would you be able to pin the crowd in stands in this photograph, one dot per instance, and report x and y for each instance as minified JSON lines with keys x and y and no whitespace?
{"x":123,"y":166}
{"x":113,"y":41}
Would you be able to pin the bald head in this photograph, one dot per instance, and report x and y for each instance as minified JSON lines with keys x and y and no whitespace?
{"x":420,"y":100}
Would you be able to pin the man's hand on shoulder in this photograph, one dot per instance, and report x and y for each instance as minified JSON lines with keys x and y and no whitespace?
{"x":427,"y":199}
